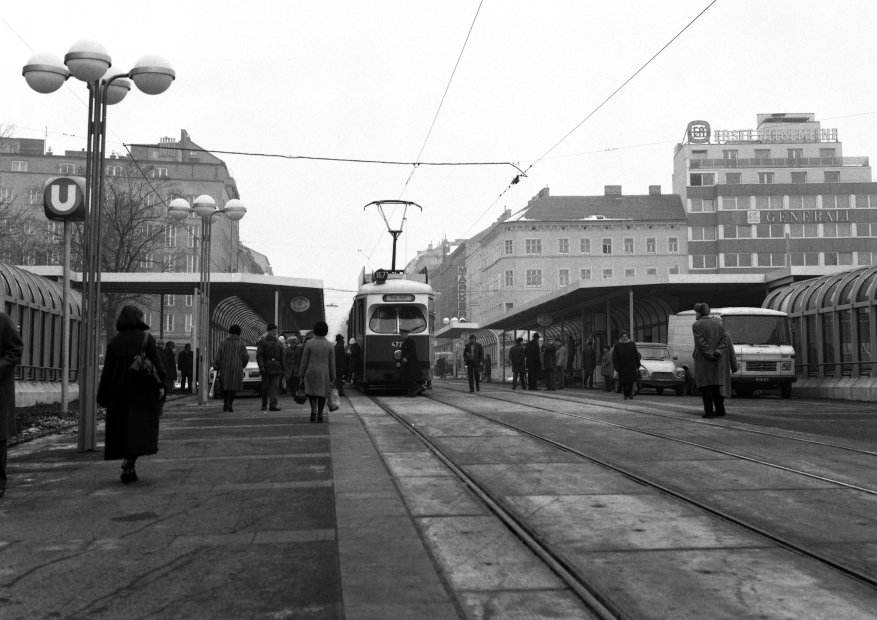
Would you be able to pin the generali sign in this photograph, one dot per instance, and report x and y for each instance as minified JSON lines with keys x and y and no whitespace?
{"x":795,"y":217}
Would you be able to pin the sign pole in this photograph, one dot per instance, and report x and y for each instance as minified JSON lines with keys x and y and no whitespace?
{"x":65,"y":324}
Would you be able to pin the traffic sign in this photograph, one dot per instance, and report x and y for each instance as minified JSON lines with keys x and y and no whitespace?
{"x":64,"y":199}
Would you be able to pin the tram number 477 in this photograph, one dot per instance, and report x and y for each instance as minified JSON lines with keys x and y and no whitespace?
{"x":397,"y":344}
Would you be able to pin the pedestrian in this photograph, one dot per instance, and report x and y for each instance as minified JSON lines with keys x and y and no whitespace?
{"x":411,"y":372}
{"x":293,"y":361}
{"x":340,"y":364}
{"x":318,"y":370}
{"x":488,"y":369}
{"x":473,"y":355}
{"x":184,"y":363}
{"x":549,"y":363}
{"x":533,"y":360}
{"x":571,"y":351}
{"x":606,"y":369}
{"x":589,"y":363}
{"x":169,"y":359}
{"x":560,"y":366}
{"x":517,"y":358}
{"x":440,"y":367}
{"x":355,"y":360}
{"x":714,"y":361}
{"x":626,"y":361}
{"x":282,"y":389}
{"x":133,"y":402}
{"x":11,"y":349}
{"x":230,"y":360}
{"x":269,"y":356}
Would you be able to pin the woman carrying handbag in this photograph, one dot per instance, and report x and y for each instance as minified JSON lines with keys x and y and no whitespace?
{"x":318,"y":370}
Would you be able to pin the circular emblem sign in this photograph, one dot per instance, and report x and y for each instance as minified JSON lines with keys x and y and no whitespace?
{"x":544,"y":319}
{"x":300,"y":304}
{"x":63,"y":198}
{"x":698,"y":132}
{"x":381,"y":276}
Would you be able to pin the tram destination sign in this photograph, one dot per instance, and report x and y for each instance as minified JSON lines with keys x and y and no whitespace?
{"x":64,"y":199}
{"x":812,"y":216}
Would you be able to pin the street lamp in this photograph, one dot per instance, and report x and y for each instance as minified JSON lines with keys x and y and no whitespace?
{"x":205,"y":208}
{"x":88,"y":61}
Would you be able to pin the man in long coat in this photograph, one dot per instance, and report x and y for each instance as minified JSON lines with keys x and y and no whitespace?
{"x":714,"y":361}
{"x":169,"y":359}
{"x":533,"y":357}
{"x":411,"y":372}
{"x":185,"y":362}
{"x":293,"y":361}
{"x":517,"y":357}
{"x":231,"y":359}
{"x":589,"y":364}
{"x":626,"y":361}
{"x":11,"y":349}
{"x":269,"y":356}
{"x":549,"y":358}
{"x":473,"y":354}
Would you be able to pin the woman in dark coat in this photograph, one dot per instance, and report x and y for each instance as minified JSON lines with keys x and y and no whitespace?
{"x":230,"y":360}
{"x":132,"y":402}
{"x":626,"y":361}
{"x":318,"y":370}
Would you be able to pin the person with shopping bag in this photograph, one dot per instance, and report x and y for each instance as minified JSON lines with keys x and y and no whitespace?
{"x":318,"y":370}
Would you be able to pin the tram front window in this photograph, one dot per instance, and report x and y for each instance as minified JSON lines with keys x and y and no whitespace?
{"x":390,"y":319}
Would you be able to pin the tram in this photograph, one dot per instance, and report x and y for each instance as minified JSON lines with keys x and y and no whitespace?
{"x":386,"y":302}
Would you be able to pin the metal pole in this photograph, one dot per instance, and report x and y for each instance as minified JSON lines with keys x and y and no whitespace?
{"x":202,"y":376}
{"x":277,"y":308}
{"x":65,"y":324}
{"x":630,"y":315}
{"x":582,"y":358}
{"x":161,"y":317}
{"x":503,"y":356}
{"x":196,"y":300}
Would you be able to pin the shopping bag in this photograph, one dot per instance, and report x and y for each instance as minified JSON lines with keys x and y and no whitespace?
{"x":334,"y":400}
{"x":299,"y":395}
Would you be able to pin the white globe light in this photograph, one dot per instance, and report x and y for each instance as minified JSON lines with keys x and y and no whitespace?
{"x":454,"y":320}
{"x":446,"y":320}
{"x":235,"y":210}
{"x":87,"y":60}
{"x":152,"y":74}
{"x":204,"y":206}
{"x":179,"y":209}
{"x":118,"y":88}
{"x":45,"y":73}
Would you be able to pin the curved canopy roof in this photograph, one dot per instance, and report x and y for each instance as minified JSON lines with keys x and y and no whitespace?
{"x":833,"y":291}
{"x":24,"y":287}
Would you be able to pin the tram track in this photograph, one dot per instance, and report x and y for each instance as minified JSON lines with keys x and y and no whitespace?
{"x":556,"y":560}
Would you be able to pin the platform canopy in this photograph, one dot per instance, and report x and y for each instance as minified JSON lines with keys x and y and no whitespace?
{"x":457,"y":330}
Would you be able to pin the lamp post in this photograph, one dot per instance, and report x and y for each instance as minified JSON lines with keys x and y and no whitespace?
{"x":89,"y":62}
{"x":205,"y":208}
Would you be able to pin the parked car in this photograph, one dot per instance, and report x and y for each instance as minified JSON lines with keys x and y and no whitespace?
{"x":252,"y":377}
{"x":659,"y":369}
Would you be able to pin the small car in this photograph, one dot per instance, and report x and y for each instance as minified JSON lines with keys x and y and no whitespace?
{"x":658,"y":369}
{"x":252,"y":377}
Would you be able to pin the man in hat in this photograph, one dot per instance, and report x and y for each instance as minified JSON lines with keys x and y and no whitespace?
{"x":169,"y":359}
{"x":411,"y":372}
{"x":269,"y":356}
{"x":473,"y":355}
{"x":518,"y":360}
{"x":533,"y":358}
{"x":185,"y":362}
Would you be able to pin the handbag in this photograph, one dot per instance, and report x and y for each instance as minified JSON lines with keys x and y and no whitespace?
{"x":300,"y":397}
{"x":143,"y":368}
{"x":334,"y":401}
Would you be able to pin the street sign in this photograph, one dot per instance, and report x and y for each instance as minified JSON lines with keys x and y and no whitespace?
{"x":64,"y":199}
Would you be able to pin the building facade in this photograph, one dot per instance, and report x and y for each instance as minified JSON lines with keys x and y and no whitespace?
{"x":782,"y":195}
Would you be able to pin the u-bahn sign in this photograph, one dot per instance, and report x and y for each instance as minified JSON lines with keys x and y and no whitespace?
{"x":64,"y":199}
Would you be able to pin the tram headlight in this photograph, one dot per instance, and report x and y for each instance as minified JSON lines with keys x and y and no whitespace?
{"x":397,"y":354}
{"x":787,"y":366}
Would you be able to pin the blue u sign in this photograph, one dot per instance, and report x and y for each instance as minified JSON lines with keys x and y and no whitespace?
{"x":64,"y":199}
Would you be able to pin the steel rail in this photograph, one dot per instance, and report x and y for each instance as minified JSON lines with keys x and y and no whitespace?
{"x":596,"y":601}
{"x":774,"y":538}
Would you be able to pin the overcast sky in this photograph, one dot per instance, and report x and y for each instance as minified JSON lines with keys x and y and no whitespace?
{"x":364,"y":80}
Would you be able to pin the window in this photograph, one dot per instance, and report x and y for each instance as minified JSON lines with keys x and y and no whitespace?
{"x":731,"y":203}
{"x":509,"y":247}
{"x":630,"y":273}
{"x":769,"y":231}
{"x":702,"y":178}
{"x":703,"y":261}
{"x":703,"y":205}
{"x":652,"y":271}
{"x":738,"y":260}
{"x":147,"y":261}
{"x":33,"y":196}
{"x":698,"y":154}
{"x":534,"y":246}
{"x":169,"y":322}
{"x":563,"y":277}
{"x":607,"y":274}
{"x":768,"y":202}
{"x":826,"y":153}
{"x":114,"y":171}
{"x":651,"y":245}
{"x":839,"y":229}
{"x":732,"y":178}
{"x":838,"y":258}
{"x":191,"y":264}
{"x":799,"y":231}
{"x":703,"y":233}
{"x":19,"y":166}
{"x":509,"y":306}
{"x":863,"y":202}
{"x":832,"y":176}
{"x":802,"y":202}
{"x":762,"y":153}
{"x":169,"y":263}
{"x":607,"y":246}
{"x":534,"y":278}
{"x":510,"y":278}
{"x":802,"y":259}
{"x":836,"y":202}
{"x":866,"y":230}
{"x":169,"y":300}
{"x":771,"y":259}
{"x":193,"y":232}
{"x":584,"y":246}
{"x":795,"y":154}
{"x":673,"y":245}
{"x":390,"y":319}
{"x":799,"y":177}
{"x":584,"y":274}
{"x":765,"y":177}
{"x":628,"y":245}
{"x":563,"y":246}
{"x":729,"y":154}
{"x":187,"y":323}
{"x":67,"y":168}
{"x":7,"y":195}
{"x":865,"y":258}
{"x":673,"y":270}
{"x":170,"y":237}
{"x":189,"y":299}
{"x":160,"y":173}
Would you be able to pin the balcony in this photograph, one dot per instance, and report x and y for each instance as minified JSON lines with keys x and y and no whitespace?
{"x":780,"y":162}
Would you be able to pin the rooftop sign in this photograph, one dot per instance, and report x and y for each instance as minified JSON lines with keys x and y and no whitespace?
{"x":699,"y":132}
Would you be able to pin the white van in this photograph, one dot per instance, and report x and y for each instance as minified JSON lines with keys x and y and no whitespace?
{"x":762,"y":343}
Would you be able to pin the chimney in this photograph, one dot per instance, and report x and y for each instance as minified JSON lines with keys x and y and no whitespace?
{"x":543,"y":193}
{"x":654,"y":190}
{"x":505,"y":215}
{"x":612,"y":190}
